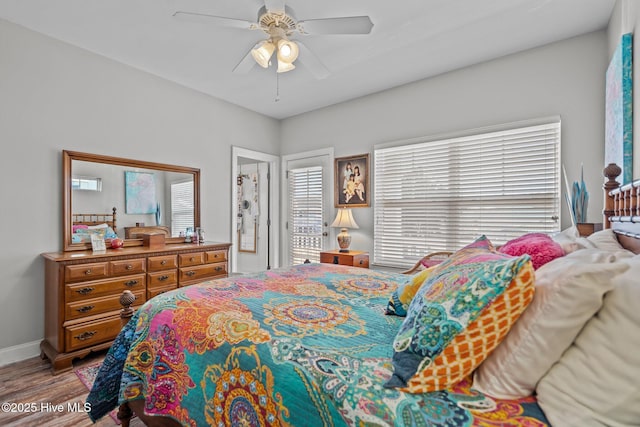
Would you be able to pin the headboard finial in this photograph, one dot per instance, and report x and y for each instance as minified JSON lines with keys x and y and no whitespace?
{"x":611,"y":171}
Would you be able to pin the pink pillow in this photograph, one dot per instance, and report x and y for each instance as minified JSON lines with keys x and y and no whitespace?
{"x":79,"y":227}
{"x":540,"y":247}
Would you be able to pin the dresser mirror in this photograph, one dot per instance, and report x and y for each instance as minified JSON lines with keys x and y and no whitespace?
{"x":132,"y":197}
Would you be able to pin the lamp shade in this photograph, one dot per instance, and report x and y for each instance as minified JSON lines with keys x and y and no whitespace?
{"x":344,"y":219}
{"x":262,"y":53}
{"x":283,"y":67}
{"x":287,"y":51}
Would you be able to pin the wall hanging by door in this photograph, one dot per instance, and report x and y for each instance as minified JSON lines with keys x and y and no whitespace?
{"x":140,"y":193}
{"x":248,"y":212}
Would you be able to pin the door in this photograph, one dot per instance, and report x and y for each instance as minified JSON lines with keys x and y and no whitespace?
{"x":254,"y":211}
{"x":308,"y":183}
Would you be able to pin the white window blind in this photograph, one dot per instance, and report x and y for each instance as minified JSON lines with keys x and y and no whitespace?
{"x":305,"y":215}
{"x":441,"y":195}
{"x":181,"y":207}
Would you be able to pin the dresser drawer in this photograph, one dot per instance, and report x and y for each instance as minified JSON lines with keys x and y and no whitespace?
{"x":202,"y":272}
{"x":128,"y":266}
{"x":215,"y":256}
{"x":83,"y":291}
{"x":187,"y":260}
{"x":166,"y":262}
{"x":84,"y":335}
{"x":89,"y":307}
{"x":152,"y":292}
{"x":162,"y":278}
{"x":96,"y":270}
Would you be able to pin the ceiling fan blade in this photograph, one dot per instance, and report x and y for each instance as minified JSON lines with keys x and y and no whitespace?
{"x":312,"y":62}
{"x":344,"y":25}
{"x":246,"y":64}
{"x":274,"y":5}
{"x":214,"y":20}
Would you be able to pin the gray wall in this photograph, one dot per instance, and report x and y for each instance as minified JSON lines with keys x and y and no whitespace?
{"x":564,"y":78}
{"x":53,"y":97}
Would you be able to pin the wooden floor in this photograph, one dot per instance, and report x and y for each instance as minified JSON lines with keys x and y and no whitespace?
{"x":31,"y":382}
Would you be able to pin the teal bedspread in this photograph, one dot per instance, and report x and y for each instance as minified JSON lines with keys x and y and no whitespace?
{"x":305,"y":346}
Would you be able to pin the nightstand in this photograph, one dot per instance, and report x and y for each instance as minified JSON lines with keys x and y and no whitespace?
{"x":352,"y":258}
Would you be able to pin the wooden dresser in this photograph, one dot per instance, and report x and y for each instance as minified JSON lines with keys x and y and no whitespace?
{"x":82,"y":291}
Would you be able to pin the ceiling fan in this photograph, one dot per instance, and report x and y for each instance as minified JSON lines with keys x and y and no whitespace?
{"x":279,"y":24}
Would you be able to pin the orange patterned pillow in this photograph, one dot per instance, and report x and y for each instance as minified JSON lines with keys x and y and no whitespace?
{"x":471,"y":347}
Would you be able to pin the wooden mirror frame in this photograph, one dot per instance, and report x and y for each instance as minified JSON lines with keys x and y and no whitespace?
{"x":69,"y":156}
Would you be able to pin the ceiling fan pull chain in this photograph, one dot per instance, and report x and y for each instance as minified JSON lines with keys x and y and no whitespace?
{"x":277,"y":87}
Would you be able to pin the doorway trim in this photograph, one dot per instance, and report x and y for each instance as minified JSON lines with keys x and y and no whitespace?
{"x":274,"y":205}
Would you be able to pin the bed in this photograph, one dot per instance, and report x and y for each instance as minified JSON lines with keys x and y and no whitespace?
{"x":316,"y":344}
{"x":83,"y":225}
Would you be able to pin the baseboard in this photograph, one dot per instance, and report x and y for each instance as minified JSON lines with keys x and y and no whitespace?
{"x":19,"y":352}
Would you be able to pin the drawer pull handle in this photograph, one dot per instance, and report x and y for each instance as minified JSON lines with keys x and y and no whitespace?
{"x":215,"y":256}
{"x":219,"y":269}
{"x":88,"y":272}
{"x":192,"y":259}
{"x":129,"y":267}
{"x":190,"y":273}
{"x":84,"y":291}
{"x":131,"y":283}
{"x":85,"y":308}
{"x":163,"y":278}
{"x":163,"y":262}
{"x":85,"y":335}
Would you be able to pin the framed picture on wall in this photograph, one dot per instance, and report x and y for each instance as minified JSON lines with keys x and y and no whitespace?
{"x":352,"y":181}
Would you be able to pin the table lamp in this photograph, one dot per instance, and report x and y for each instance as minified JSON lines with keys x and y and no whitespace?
{"x":344,"y":220}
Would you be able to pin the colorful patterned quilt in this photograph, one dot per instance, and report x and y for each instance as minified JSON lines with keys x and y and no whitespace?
{"x":305,"y":346}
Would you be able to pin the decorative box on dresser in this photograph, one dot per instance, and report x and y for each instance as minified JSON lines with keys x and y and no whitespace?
{"x":82,"y":291}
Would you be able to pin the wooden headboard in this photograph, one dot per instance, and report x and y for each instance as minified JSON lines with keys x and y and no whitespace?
{"x":622,"y":208}
{"x":95,"y":219}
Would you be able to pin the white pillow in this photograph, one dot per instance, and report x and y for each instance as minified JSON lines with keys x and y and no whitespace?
{"x":97,"y":227}
{"x":570,"y":241}
{"x":597,"y":381}
{"x":605,"y":239}
{"x":568,"y":292}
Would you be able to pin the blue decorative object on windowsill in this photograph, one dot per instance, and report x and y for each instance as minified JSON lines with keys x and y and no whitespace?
{"x":580,"y":199}
{"x":158,"y":214}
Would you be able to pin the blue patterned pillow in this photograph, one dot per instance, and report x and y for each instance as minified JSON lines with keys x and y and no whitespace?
{"x":453,"y":296}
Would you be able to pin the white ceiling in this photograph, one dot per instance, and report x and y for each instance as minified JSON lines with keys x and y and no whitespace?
{"x":411,"y":40}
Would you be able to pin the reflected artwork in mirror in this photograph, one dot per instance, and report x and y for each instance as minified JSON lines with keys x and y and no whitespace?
{"x":124,"y":199}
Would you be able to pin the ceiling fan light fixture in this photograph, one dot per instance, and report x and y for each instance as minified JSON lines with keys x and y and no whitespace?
{"x":283,"y":67}
{"x":287,"y":51}
{"x":262,"y":53}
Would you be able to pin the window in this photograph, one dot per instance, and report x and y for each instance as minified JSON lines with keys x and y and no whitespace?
{"x":181,"y":207}
{"x":86,"y":183}
{"x":305,"y":215}
{"x":442,"y":194}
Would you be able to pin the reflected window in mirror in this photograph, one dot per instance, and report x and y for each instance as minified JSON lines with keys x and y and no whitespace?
{"x":85,"y":183}
{"x":181,"y":207}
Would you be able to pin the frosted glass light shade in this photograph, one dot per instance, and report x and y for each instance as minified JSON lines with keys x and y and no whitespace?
{"x":263,"y":53}
{"x":283,"y":67}
{"x":287,"y":51}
